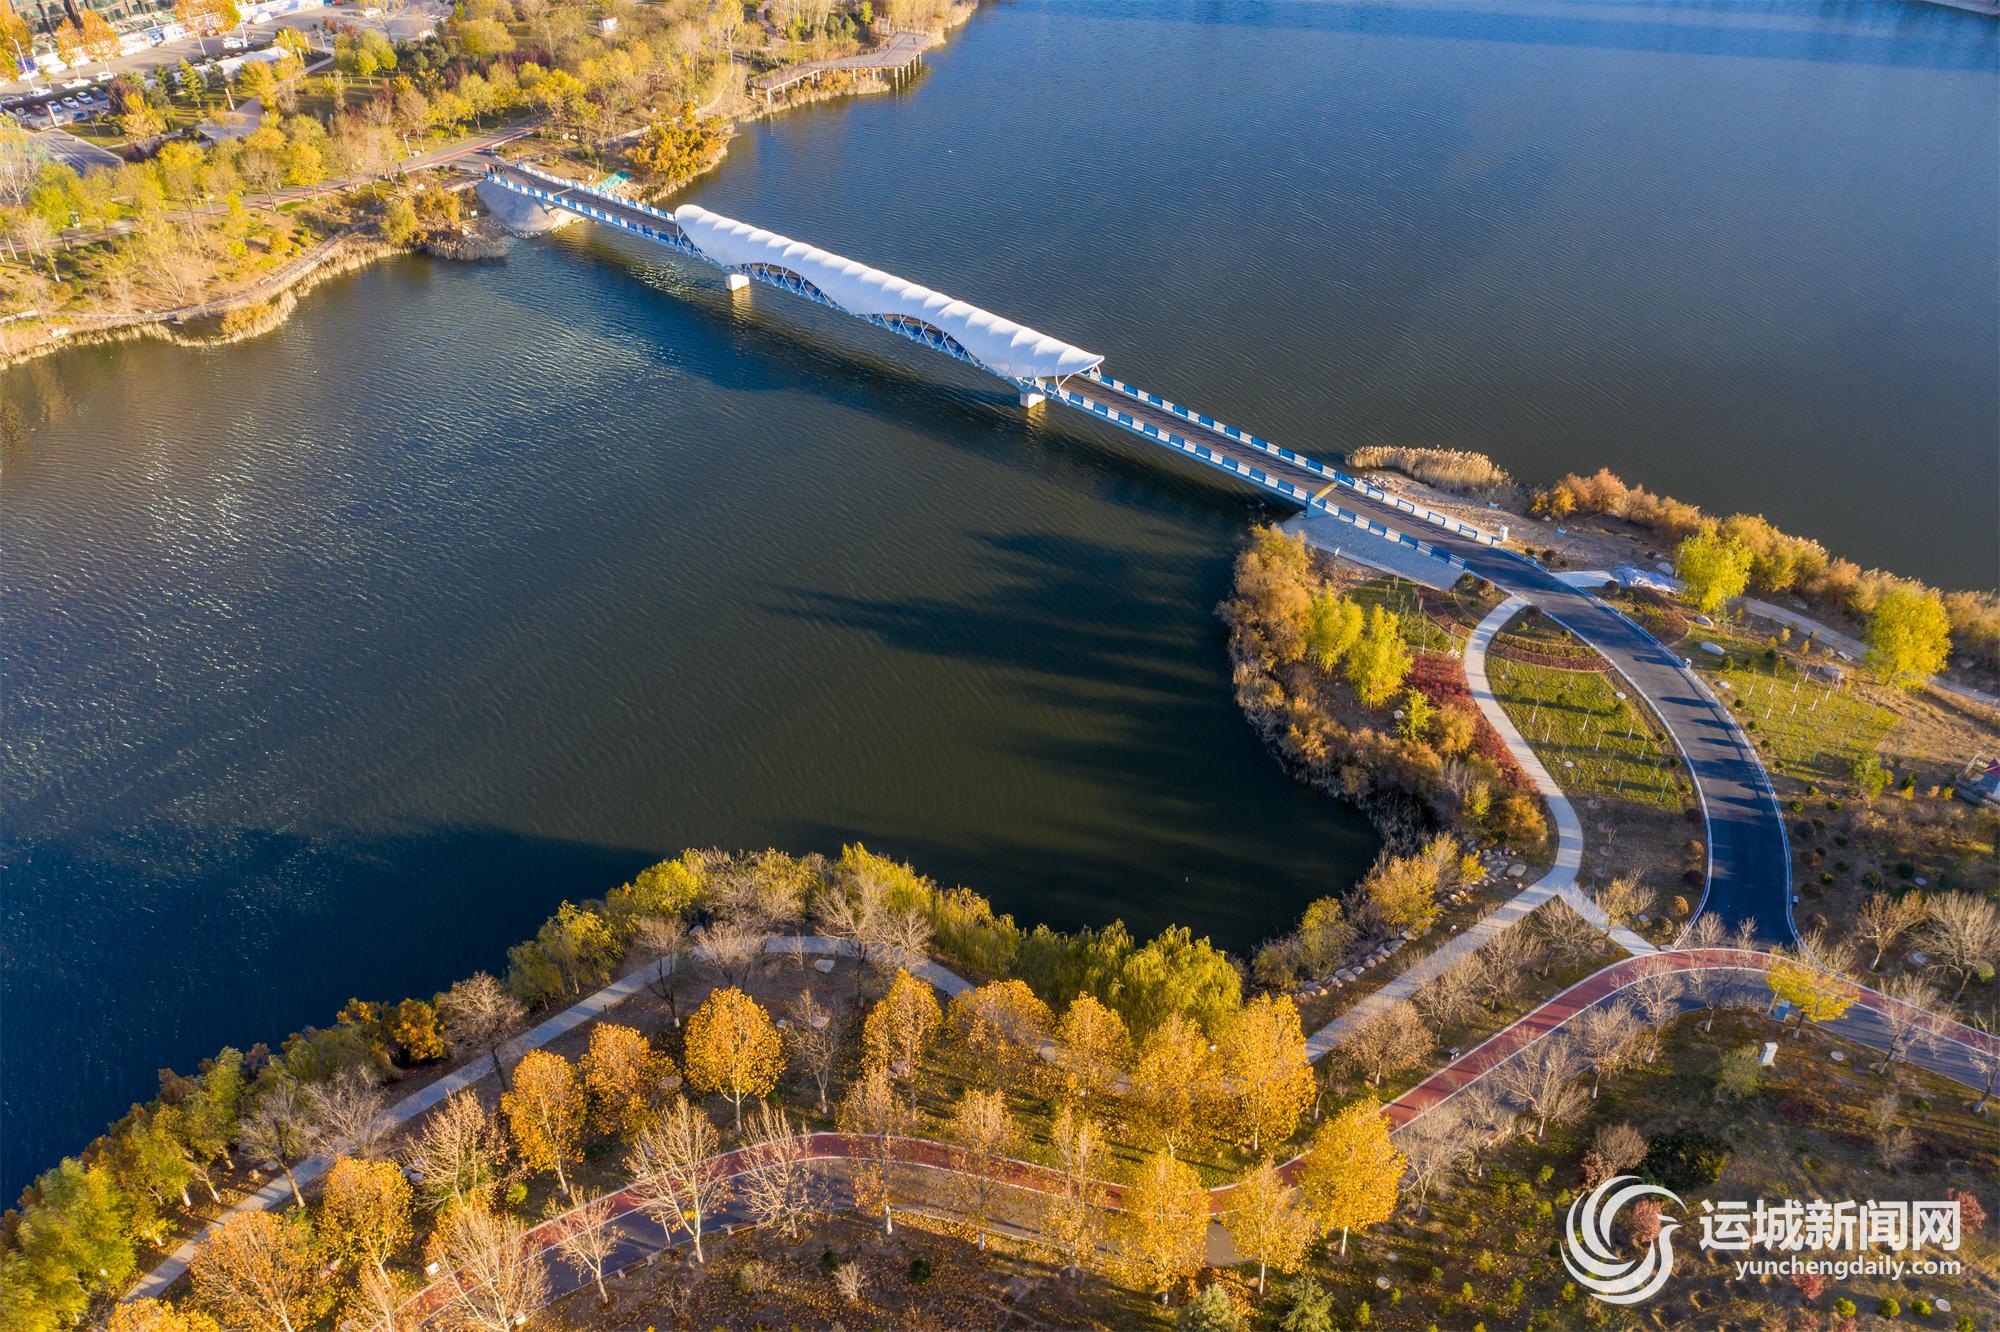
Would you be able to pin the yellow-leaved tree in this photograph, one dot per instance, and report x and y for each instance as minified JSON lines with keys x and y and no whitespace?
{"x":1161,"y":1234}
{"x":1268,"y":1221}
{"x":1352,"y":1173}
{"x":364,"y":1212}
{"x":733,"y":1048}
{"x":1268,"y":1078}
{"x":625,"y":1079}
{"x":901,"y":1026}
{"x":1092,"y":1051}
{"x":545,"y":1112}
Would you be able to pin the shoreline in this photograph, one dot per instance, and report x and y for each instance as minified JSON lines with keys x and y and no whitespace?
{"x":282,"y":290}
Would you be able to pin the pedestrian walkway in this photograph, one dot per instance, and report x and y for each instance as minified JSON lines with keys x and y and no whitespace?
{"x":1559,"y":881}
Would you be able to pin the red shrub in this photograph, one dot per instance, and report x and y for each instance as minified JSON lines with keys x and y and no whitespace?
{"x":1441,"y":679}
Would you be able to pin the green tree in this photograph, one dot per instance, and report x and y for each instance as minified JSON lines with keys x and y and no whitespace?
{"x":1739,"y":1074}
{"x":1713,"y":568}
{"x":1378,"y":661}
{"x":484,"y":38}
{"x":1418,"y":714}
{"x":1909,"y":636}
{"x":1178,"y":973}
{"x":1210,"y":1311}
{"x":69,"y":1245}
{"x":1869,"y":774}
{"x":1333,"y":626}
{"x":1311,"y":1308}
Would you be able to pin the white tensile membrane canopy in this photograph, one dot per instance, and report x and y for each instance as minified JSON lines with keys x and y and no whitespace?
{"x":1001,"y":345}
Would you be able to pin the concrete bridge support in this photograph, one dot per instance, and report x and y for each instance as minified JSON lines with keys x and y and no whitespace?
{"x":1031,"y":399}
{"x":735,"y":281}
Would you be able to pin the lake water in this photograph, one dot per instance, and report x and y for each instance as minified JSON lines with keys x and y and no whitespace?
{"x":335,"y":659}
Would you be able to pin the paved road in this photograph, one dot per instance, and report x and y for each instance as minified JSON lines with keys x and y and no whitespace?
{"x":1749,"y":870}
{"x":1947,"y":1048}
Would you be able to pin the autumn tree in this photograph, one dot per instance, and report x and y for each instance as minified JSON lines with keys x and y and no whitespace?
{"x":588,"y":1240}
{"x":873,"y":1111}
{"x":1172,"y":1080}
{"x":155,"y":1316}
{"x":1909,"y":636}
{"x":1379,"y":661}
{"x":1352,"y":1173}
{"x":1078,"y":1153}
{"x":545,"y":1113}
{"x":496,"y":1282}
{"x":678,"y":1180}
{"x":776,"y":1181}
{"x":476,"y":1014}
{"x":457,"y":1154}
{"x":1262,"y":1052}
{"x":1268,"y":1221}
{"x":98,"y":40}
{"x":901,"y":1026}
{"x":733,"y":1048}
{"x":1333,"y":626}
{"x":1091,"y":1052}
{"x":815,"y":1038}
{"x":982,"y":1127}
{"x":624,"y":1078}
{"x":256,"y":1269}
{"x":1607,"y":1038}
{"x":995,"y":1034}
{"x":1815,"y":994}
{"x":364,"y":1212}
{"x":1713,"y":568}
{"x":1161,"y":1234}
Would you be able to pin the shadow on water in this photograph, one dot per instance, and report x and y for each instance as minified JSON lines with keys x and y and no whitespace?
{"x":182,"y":915}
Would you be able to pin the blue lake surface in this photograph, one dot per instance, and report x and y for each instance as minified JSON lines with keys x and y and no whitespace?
{"x":334,"y":660}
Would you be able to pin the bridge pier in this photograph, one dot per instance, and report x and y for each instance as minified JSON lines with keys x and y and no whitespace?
{"x":1031,"y":399}
{"x":735,"y":281}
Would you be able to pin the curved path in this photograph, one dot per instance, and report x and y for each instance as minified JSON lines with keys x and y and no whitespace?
{"x":1749,"y":869}
{"x":1944,"y":1047}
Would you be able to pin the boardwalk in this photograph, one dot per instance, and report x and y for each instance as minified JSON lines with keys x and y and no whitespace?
{"x":899,"y":53}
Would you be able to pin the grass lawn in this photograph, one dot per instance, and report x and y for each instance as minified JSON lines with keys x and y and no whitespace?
{"x":1420,"y":632}
{"x":1594,"y":742}
{"x":1805,"y":728}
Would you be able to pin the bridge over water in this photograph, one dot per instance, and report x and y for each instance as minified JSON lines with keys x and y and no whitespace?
{"x":1749,"y":866}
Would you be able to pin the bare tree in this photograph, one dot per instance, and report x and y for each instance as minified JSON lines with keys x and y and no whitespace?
{"x":678,"y":1181}
{"x":346,"y":1113}
{"x":1624,"y":899}
{"x":494,"y":1279}
{"x":732,"y":945}
{"x":1487,"y":1116}
{"x":1985,"y":1060}
{"x":1962,"y":934}
{"x":1622,"y":1146}
{"x":1883,"y":919}
{"x":477,"y":1013}
{"x":665,"y":940}
{"x":1910,"y":1014}
{"x":1544,"y":1078}
{"x":1509,"y":956}
{"x":1435,"y":1145}
{"x":279,"y":1125}
{"x":776,"y":1182}
{"x":588,"y":1240}
{"x":1706,"y":984}
{"x":1453,"y":994}
{"x":1567,"y":938}
{"x":873,"y":1111}
{"x":816,"y":1038}
{"x":1657,"y":997}
{"x":457,"y":1155}
{"x":1607,"y":1038}
{"x":1392,"y":1040}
